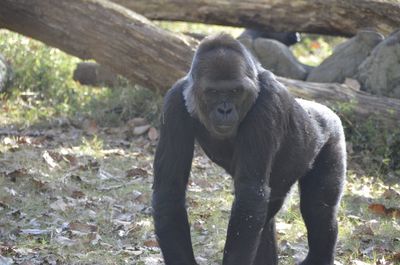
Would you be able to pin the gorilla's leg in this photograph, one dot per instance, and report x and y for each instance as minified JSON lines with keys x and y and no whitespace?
{"x":320,"y":192}
{"x":267,"y":249}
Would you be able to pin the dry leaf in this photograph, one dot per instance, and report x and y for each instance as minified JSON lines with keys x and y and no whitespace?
{"x":135,"y":122}
{"x":152,"y":134}
{"x":135,"y":172}
{"x":59,"y":205}
{"x":352,"y":83}
{"x":65,"y":241}
{"x":71,"y":159}
{"x":35,"y":232}
{"x":141,"y":130}
{"x":151,"y":243}
{"x":396,"y":257}
{"x":77,"y":194}
{"x":16,"y":173}
{"x":39,"y":184}
{"x":82,"y":227}
{"x":382,"y":210}
{"x":56,"y":156}
{"x":49,"y":160}
{"x":359,"y":262}
{"x":391,"y":194}
{"x":90,"y":127}
{"x":377,"y":208}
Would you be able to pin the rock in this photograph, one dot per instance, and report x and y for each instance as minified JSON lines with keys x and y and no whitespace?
{"x":6,"y":74}
{"x":248,"y":43}
{"x":93,"y":74}
{"x":380,"y":72}
{"x":346,"y":58}
{"x":279,"y":59}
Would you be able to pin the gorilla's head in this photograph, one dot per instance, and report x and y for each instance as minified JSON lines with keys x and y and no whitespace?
{"x":223,"y":84}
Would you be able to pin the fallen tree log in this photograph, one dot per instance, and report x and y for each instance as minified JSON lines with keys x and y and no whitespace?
{"x":333,"y":17}
{"x":114,"y":36}
{"x":132,"y":46}
{"x":361,"y":104}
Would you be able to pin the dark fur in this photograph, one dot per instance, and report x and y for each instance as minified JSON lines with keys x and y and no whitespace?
{"x":279,"y":140}
{"x":287,"y":38}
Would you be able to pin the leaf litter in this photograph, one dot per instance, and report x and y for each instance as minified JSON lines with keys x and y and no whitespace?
{"x":82,"y":195}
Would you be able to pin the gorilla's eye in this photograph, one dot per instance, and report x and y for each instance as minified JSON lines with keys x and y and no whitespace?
{"x":212,"y":91}
{"x":236,"y":91}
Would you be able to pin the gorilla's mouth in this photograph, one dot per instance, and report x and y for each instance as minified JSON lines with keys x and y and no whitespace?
{"x":224,"y":129}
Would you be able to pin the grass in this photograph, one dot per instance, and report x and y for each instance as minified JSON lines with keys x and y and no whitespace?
{"x":72,"y":171}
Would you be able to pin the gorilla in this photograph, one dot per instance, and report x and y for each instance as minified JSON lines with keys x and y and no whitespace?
{"x":287,"y":38}
{"x":247,"y":123}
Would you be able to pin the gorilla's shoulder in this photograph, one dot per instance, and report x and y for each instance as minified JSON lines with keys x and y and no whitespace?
{"x":174,"y":103}
{"x":175,"y":94}
{"x":321,"y":116}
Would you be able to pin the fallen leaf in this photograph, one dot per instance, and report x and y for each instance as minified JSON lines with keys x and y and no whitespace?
{"x":151,"y":243}
{"x":56,"y":156}
{"x":137,"y":122}
{"x":82,"y":227}
{"x":382,"y":210}
{"x":90,"y":127}
{"x":16,"y":173}
{"x":358,"y":262}
{"x":152,"y":134}
{"x":135,"y":172}
{"x":49,"y":160}
{"x":396,"y":257}
{"x":77,"y":194}
{"x":35,"y":232}
{"x":59,"y":205}
{"x":141,"y":130}
{"x":65,"y":241}
{"x":102,"y":174}
{"x":352,"y":83}
{"x":391,"y":194}
{"x":377,"y":208}
{"x":10,"y":141}
{"x":39,"y":184}
{"x":71,"y":159}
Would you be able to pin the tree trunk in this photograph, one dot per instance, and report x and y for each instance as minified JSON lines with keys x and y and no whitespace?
{"x":112,"y":35}
{"x":132,"y":46}
{"x":333,"y":17}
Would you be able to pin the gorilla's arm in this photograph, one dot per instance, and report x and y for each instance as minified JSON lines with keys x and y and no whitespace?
{"x":253,"y":158}
{"x":172,"y":165}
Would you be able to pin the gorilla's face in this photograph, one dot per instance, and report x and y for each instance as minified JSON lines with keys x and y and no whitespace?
{"x":223,"y":88}
{"x":224,"y":103}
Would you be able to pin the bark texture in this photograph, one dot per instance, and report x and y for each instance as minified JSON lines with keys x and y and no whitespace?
{"x":334,"y":17}
{"x":112,"y":35}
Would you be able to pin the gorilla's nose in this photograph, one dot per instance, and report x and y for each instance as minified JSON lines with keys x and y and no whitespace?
{"x":224,"y":111}
{"x":225,"y":108}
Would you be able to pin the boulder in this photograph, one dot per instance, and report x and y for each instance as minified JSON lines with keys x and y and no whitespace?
{"x":346,"y":58}
{"x":278,"y":58}
{"x":380,"y":72}
{"x":94,"y":74}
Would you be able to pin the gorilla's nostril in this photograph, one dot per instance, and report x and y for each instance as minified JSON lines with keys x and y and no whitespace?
{"x":220,"y":111}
